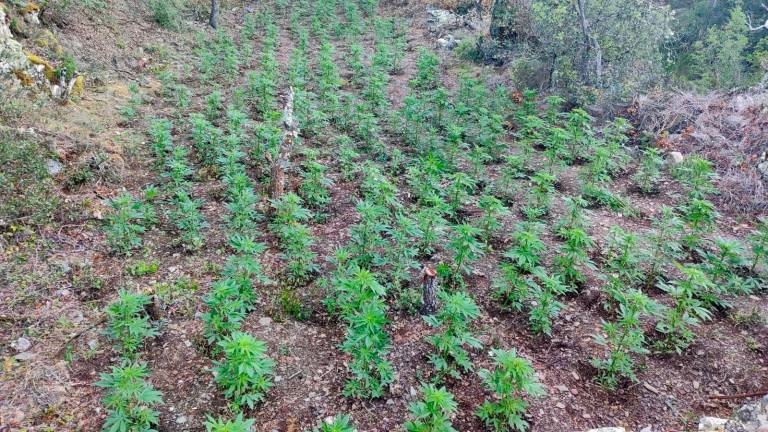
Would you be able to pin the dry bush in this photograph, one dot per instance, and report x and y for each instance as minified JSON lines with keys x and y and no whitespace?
{"x":729,"y":129}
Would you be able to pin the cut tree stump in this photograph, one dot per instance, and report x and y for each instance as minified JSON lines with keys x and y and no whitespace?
{"x":429,"y":292}
{"x":281,"y":163}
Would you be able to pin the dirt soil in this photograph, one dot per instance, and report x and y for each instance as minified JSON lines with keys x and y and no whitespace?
{"x":48,"y":293}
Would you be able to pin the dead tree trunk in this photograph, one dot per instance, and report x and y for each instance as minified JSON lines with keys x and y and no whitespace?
{"x":283,"y":157}
{"x":429,"y":292}
{"x":214,"y":19}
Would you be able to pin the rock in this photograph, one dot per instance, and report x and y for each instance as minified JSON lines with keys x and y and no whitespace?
{"x":54,"y":167}
{"x":441,"y":20}
{"x":265,"y":321}
{"x":22,"y":344}
{"x":448,"y":42}
{"x":181,"y":419}
{"x":608,"y":429}
{"x":25,"y":356}
{"x":712,"y":424}
{"x":762,"y":168}
{"x":675,"y":158}
{"x":560,"y":405}
{"x":93,"y":344}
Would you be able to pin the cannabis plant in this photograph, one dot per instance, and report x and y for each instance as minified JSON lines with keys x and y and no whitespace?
{"x":245,"y":374}
{"x":665,"y":246}
{"x":244,"y":267}
{"x":493,"y":211}
{"x":339,"y":423}
{"x":433,"y":412}
{"x":188,"y":220}
{"x":366,"y":237}
{"x":649,"y":172}
{"x":125,"y":223}
{"x":451,"y":358}
{"x":238,"y":424}
{"x":723,"y":263}
{"x":623,"y":339}
{"x":512,"y":378}
{"x":759,"y":242}
{"x":543,"y":301}
{"x":700,"y":216}
{"x":466,"y":249}
{"x":539,"y":197}
{"x":296,"y":242}
{"x":432,"y":225}
{"x":315,"y":186}
{"x":688,"y":311}
{"x":526,"y":253}
{"x":226,"y":311}
{"x":574,"y":257}
{"x":368,"y":343}
{"x":128,"y":323}
{"x":130,"y":399}
{"x":574,"y":217}
{"x":624,"y":256}
{"x":512,"y":289}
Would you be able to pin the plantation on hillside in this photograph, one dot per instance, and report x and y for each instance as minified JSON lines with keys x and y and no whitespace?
{"x":316,"y":221}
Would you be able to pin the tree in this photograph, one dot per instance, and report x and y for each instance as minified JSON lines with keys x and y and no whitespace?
{"x":719,"y":58}
{"x":214,"y":20}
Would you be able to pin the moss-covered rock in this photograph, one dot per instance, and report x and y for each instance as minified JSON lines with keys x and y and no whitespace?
{"x":48,"y":70}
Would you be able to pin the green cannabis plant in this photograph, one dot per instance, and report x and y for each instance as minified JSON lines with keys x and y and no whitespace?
{"x":129,"y":399}
{"x":238,"y":424}
{"x":451,"y":357}
{"x":433,"y":412}
{"x":125,"y":223}
{"x":128,"y":322}
{"x":512,"y":378}
{"x":245,"y":373}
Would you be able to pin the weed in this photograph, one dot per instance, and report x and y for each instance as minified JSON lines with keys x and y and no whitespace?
{"x":142,"y":268}
{"x":339,"y":423}
{"x":688,"y":310}
{"x":130,"y":398}
{"x":623,"y":339}
{"x":512,"y":378}
{"x":245,"y":374}
{"x":433,"y":413}
{"x":128,"y":323}
{"x":451,"y":357}
{"x":238,"y":424}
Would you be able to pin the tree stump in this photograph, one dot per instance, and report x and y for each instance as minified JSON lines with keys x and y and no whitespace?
{"x":281,"y":163}
{"x":429,"y":292}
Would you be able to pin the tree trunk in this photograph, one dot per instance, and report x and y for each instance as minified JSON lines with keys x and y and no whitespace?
{"x":281,"y":162}
{"x":429,"y":292}
{"x":591,"y":48}
{"x":214,"y":20}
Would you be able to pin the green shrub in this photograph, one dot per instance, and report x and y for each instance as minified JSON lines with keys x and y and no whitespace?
{"x":26,"y":187}
{"x":166,"y":13}
{"x":245,"y":374}
{"x":512,"y":378}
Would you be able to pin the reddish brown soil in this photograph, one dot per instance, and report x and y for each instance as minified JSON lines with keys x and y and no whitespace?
{"x":54,"y":389}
